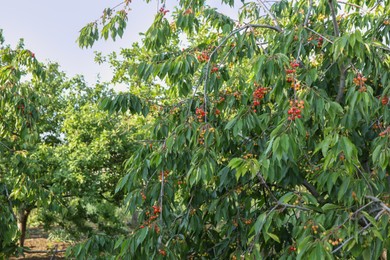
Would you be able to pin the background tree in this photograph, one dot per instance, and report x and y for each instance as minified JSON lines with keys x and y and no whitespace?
{"x":18,"y":132}
{"x":60,"y":155}
{"x":88,"y":166}
{"x":271,"y":137}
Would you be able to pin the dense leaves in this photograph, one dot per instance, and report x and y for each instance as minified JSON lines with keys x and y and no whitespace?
{"x":270,"y":137}
{"x":61,"y":156}
{"x":265,"y":136}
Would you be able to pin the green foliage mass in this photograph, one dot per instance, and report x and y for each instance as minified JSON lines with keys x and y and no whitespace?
{"x":264,"y":136}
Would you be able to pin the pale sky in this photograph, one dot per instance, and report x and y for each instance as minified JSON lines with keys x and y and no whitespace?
{"x":50,"y":29}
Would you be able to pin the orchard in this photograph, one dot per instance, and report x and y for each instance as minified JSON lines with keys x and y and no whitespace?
{"x":265,"y":135}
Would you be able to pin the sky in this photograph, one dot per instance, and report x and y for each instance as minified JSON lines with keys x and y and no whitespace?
{"x":50,"y":29}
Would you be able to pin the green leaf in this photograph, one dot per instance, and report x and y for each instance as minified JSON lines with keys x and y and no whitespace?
{"x":260,"y":222}
{"x":343,"y":188}
{"x":122,"y":183}
{"x":370,"y":219}
{"x":141,"y":235}
{"x":274,"y":237}
{"x":330,"y":207}
{"x":348,"y":148}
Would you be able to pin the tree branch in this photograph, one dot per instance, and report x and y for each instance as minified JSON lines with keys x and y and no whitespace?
{"x":384,"y":206}
{"x":9,"y":203}
{"x":351,"y":4}
{"x":325,"y":38}
{"x":275,"y":28}
{"x":310,"y":188}
{"x":334,"y":18}
{"x":352,"y":237}
{"x":343,"y":76}
{"x":266,"y":186}
{"x":270,"y":14}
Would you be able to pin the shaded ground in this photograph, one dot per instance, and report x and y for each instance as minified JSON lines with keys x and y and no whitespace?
{"x":37,"y":241}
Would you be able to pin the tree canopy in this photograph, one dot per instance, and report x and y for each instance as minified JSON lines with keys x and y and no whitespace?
{"x":260,"y":136}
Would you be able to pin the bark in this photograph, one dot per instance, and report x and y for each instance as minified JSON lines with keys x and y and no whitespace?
{"x":340,"y":93}
{"x":22,"y":224}
{"x":384,"y":255}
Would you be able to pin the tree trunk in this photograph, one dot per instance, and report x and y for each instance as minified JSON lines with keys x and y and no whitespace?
{"x":22,"y":224}
{"x":384,"y":255}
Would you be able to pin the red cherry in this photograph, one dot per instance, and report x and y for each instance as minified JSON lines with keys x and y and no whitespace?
{"x":385,"y":100}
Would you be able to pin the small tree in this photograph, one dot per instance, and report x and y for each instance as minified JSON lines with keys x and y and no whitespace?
{"x":60,"y":154}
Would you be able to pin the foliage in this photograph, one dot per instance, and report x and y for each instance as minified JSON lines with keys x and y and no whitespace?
{"x":264,"y":135}
{"x":270,"y":137}
{"x":18,"y":133}
{"x":60,"y":154}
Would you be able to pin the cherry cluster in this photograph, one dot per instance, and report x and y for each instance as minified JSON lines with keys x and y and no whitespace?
{"x":248,"y":156}
{"x":203,"y":57}
{"x":214,"y":69}
{"x":291,"y":78}
{"x":320,"y":42}
{"x":248,"y":221}
{"x":200,"y":114}
{"x":360,"y":80}
{"x":21,"y":108}
{"x":335,"y":242}
{"x":295,"y":109}
{"x":294,"y":64}
{"x":188,"y":11}
{"x":165,"y":173}
{"x":163,"y":11}
{"x":314,"y":227}
{"x":152,"y":218}
{"x":385,"y":100}
{"x":258,"y":95}
{"x":292,"y":249}
{"x":162,"y":252}
{"x":203,"y":132}
{"x":237,"y":95}
{"x":143,"y":195}
{"x":385,"y":132}
{"x":378,"y":125}
{"x":174,"y":110}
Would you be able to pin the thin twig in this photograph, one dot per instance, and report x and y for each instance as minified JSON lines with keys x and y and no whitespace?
{"x":161,"y":205}
{"x":304,"y":26}
{"x":250,"y":248}
{"x":365,"y":179}
{"x":351,"y":4}
{"x":326,"y":39}
{"x":352,"y":237}
{"x":266,"y":186}
{"x":9,"y":202}
{"x":54,"y":253}
{"x":3,"y":144}
{"x":384,"y":206}
{"x":343,"y":76}
{"x":270,"y":14}
{"x":308,"y":13}
{"x":294,"y":206}
{"x":42,"y":251}
{"x":334,"y":19}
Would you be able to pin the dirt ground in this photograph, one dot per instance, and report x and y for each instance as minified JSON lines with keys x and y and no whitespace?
{"x":37,"y":241}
